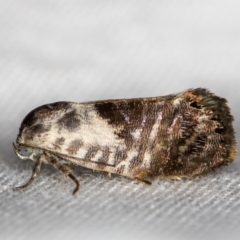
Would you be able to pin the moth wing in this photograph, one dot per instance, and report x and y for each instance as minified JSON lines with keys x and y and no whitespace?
{"x":96,"y":131}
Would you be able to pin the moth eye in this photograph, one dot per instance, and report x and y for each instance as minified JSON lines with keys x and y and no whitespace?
{"x":24,"y":151}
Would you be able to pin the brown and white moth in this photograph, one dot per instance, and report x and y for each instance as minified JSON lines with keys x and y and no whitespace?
{"x":174,"y":136}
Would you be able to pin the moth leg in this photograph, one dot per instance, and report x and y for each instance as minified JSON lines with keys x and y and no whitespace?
{"x":140,"y":175}
{"x":143,"y":180}
{"x":76,"y":182}
{"x":36,"y":170}
{"x":65,"y":169}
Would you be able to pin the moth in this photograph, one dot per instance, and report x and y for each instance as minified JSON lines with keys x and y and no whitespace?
{"x":175,"y":136}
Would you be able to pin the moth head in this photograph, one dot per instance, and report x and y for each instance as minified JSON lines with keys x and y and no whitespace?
{"x":27,"y":152}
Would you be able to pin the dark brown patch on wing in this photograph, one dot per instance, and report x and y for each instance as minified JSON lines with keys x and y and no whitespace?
{"x":74,"y":146}
{"x":125,"y":116}
{"x":92,"y":151}
{"x":134,"y":163}
{"x":120,"y":156}
{"x":188,"y":123}
{"x":69,"y":121}
{"x":118,"y":113}
{"x":105,"y":156}
{"x":38,"y":128}
{"x":199,"y":143}
{"x":60,"y":141}
{"x":40,"y":113}
{"x":34,"y":131}
{"x":120,"y":169}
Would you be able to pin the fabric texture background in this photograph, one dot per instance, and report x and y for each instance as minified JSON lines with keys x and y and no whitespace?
{"x":90,"y":50}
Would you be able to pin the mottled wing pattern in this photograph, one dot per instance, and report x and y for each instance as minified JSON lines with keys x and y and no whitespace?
{"x":177,"y":135}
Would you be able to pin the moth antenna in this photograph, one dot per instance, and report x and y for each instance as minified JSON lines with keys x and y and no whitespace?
{"x":36,"y":170}
{"x":76,"y":181}
{"x":143,"y":180}
{"x":14,"y":147}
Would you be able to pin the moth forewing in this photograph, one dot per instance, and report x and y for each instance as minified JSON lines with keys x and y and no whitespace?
{"x":180,"y":135}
